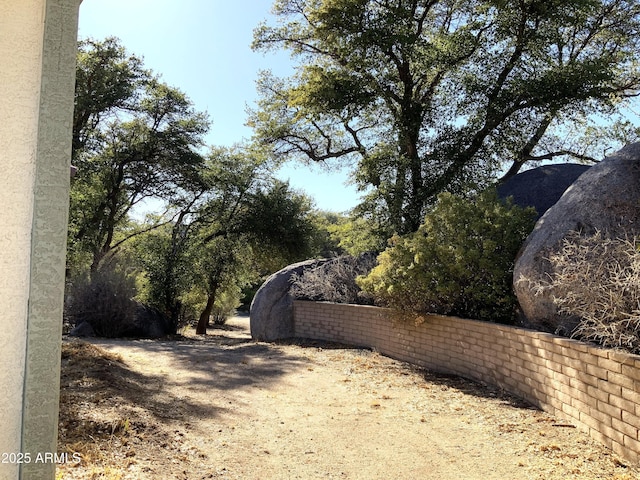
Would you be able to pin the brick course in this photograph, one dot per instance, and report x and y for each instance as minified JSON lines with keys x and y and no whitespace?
{"x":597,"y":390}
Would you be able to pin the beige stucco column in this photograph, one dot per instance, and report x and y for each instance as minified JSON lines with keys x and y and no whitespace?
{"x":37,"y":52}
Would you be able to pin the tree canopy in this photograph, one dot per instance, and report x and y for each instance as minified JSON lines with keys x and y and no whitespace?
{"x":428,"y":96}
{"x":135,"y":138}
{"x":241,"y":224}
{"x":216,"y":219}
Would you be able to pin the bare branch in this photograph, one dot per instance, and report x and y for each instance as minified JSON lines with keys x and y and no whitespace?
{"x":562,"y":153}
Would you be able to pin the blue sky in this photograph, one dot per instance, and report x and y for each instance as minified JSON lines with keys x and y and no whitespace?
{"x":203,"y":48}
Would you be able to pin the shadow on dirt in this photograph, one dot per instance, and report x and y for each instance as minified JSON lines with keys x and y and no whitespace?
{"x":321,"y":344}
{"x":444,"y":380}
{"x":225,"y":360}
{"x":167,"y":370}
{"x":95,"y":378}
{"x":476,"y":389}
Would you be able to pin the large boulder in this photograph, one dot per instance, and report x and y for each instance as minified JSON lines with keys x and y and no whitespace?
{"x":604,"y":198}
{"x":271,"y":313}
{"x":541,"y":187}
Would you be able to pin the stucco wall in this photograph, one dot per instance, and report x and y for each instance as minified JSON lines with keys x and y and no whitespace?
{"x":597,"y":390}
{"x":21,"y":30}
{"x":38,"y":48}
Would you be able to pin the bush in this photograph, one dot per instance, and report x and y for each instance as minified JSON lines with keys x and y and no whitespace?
{"x":105,"y":302}
{"x":334,"y":280}
{"x":226,"y":304}
{"x":459,"y":262}
{"x":597,"y":279}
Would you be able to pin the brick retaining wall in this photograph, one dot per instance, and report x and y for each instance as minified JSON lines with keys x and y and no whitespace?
{"x":595,"y":389}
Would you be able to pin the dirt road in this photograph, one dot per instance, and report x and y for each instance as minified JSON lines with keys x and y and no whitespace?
{"x":227,"y":407}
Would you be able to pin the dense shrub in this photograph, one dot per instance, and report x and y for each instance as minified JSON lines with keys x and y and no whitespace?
{"x":105,"y":302}
{"x":334,"y":280}
{"x":596,"y":278}
{"x":459,"y":262}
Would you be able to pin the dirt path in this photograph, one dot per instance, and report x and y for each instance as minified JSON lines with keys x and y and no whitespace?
{"x":228,"y":407}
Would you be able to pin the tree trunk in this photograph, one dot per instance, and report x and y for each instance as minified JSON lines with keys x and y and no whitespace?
{"x":513,"y":171}
{"x":203,"y":321}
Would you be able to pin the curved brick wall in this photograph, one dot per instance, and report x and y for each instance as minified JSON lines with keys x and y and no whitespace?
{"x":596,"y":390}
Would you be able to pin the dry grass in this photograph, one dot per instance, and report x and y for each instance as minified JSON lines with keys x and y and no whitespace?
{"x":596,"y":278}
{"x":334,"y":281}
{"x":98,"y":419}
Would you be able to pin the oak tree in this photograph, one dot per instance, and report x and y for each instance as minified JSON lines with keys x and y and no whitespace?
{"x":425,"y":96}
{"x":135,"y":138}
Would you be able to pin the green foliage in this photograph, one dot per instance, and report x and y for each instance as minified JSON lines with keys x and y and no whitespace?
{"x":107,"y":81}
{"x":336,"y":234}
{"x":137,"y":141}
{"x":162,"y":255}
{"x":323,"y":244}
{"x":226,"y":304}
{"x":357,"y":235}
{"x":277,"y":219}
{"x":239,"y":224}
{"x":459,"y":262}
{"x":135,"y":138}
{"x":432,"y":96}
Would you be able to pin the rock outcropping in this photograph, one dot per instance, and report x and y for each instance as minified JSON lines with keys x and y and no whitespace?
{"x":271,"y":314}
{"x":604,"y":198}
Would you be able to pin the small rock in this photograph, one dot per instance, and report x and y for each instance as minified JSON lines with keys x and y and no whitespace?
{"x":83,"y":329}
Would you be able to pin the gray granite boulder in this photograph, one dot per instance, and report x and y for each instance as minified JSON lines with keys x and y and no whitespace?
{"x":83,"y":329}
{"x":604,"y":198}
{"x":541,"y":187}
{"x":271,"y":314}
